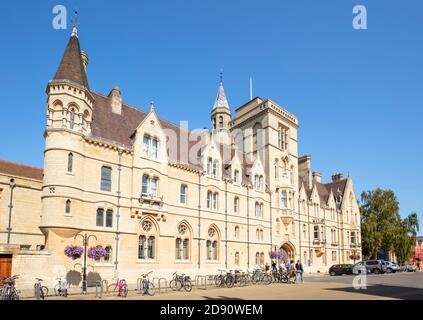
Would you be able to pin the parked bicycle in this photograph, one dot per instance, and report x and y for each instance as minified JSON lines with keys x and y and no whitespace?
{"x":40,"y":290}
{"x":61,"y":287}
{"x":220,"y":279}
{"x":235,"y":278}
{"x":180,"y":281}
{"x":147,"y":287}
{"x":260,"y":276}
{"x":8,"y":290}
{"x":120,"y":287}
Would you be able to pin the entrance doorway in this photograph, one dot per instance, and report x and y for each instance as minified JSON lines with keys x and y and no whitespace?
{"x":288,"y":252}
{"x":5,"y":265}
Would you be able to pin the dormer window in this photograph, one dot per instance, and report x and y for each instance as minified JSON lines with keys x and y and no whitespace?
{"x":151,"y":147}
{"x":212,"y":167}
{"x":236,"y":176}
{"x":258,"y":181}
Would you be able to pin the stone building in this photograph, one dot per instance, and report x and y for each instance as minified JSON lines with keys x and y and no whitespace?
{"x":159,"y":197}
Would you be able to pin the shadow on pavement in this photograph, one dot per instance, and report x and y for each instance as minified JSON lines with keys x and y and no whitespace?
{"x":221,"y":298}
{"x":395,"y":292}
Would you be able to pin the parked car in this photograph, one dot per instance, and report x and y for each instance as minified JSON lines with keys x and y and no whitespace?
{"x":408,"y":268}
{"x":390,"y":267}
{"x":360,"y":268}
{"x":340,"y":269}
{"x":375,"y":266}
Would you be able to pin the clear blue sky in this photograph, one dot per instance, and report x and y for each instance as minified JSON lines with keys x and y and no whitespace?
{"x":358,"y":94}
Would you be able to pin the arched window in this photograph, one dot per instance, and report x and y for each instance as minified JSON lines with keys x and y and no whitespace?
{"x":72,"y":119}
{"x":183,"y":194}
{"x":149,"y":186}
{"x":262,"y":259}
{"x":141,"y":247}
{"x":109,"y":218}
{"x":70,"y":162}
{"x":212,"y":244}
{"x":284,"y":199}
{"x":276,"y":169}
{"x":186,"y":249}
{"x":68,"y":207}
{"x":220,"y":122}
{"x":236,"y":176}
{"x":100,"y":217}
{"x":257,"y":209}
{"x":293,"y":228}
{"x":182,"y":242}
{"x":304,"y":231}
{"x":150,"y":248}
{"x":305,"y":257}
{"x":209,"y":199}
{"x":108,"y":255}
{"x":147,"y":240}
{"x":237,"y":258}
{"x":236,"y":204}
{"x":178,"y":249}
{"x":236,"y":232}
{"x":209,"y":165}
{"x":257,"y":259}
{"x":215,"y":168}
{"x":292,"y":175}
{"x":215,"y":199}
{"x":316,"y":232}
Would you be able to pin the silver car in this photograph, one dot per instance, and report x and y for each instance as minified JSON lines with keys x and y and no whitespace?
{"x":359,"y":268}
{"x":389,"y":267}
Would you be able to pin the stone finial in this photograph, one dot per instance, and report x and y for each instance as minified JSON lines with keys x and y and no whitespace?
{"x":152,"y":106}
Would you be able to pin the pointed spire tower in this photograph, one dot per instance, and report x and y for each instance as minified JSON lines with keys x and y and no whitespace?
{"x":74,"y":61}
{"x":221,"y":114}
{"x":69,"y":93}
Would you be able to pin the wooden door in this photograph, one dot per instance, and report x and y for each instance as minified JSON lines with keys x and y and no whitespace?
{"x":5,"y":265}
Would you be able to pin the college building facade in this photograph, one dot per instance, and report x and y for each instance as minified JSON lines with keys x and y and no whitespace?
{"x":160,"y":197}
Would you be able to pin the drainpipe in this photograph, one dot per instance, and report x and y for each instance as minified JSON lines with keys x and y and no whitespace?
{"x":118,"y":214}
{"x":271,"y":222}
{"x":248,"y":227}
{"x":309,"y":236}
{"x":12,"y":186}
{"x":199,"y":220}
{"x":226,"y":224}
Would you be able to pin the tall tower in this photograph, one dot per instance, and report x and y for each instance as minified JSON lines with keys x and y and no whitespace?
{"x":221,"y":115}
{"x":69,"y":117}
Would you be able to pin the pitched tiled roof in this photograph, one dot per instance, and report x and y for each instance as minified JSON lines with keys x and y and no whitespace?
{"x":337,"y":187}
{"x":71,"y":67}
{"x":20,"y":170}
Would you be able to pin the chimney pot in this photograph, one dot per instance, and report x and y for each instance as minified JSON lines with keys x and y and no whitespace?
{"x":317,"y":177}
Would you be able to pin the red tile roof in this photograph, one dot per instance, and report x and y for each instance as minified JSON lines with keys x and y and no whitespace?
{"x":21,"y":170}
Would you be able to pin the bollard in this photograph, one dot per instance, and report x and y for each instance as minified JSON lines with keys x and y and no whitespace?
{"x":37,"y":291}
{"x":98,"y":287}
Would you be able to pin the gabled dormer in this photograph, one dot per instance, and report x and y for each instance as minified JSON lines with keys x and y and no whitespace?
{"x":150,"y":139}
{"x":257,"y":175}
{"x":211,"y":160}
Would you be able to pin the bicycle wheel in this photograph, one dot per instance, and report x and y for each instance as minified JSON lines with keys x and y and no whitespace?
{"x":267,"y":279}
{"x":124,"y":291}
{"x":230,"y":280}
{"x":187,"y":285}
{"x":243,"y":281}
{"x":44,"y":291}
{"x":57,"y":289}
{"x":112,"y":288}
{"x":150,"y":289}
{"x":175,"y":285}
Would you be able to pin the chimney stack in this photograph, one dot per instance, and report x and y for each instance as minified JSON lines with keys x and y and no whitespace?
{"x":84,"y":57}
{"x":337,"y":177}
{"x":116,"y":97}
{"x":317,"y":177}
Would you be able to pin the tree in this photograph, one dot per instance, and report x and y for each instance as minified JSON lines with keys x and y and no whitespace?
{"x":382,"y":227}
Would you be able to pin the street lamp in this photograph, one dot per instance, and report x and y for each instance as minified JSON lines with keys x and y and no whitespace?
{"x":85,"y":240}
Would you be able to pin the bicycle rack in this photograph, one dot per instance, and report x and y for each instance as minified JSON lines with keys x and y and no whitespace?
{"x":159,"y":286}
{"x":203,"y":282}
{"x":139,"y":284}
{"x":37,"y":289}
{"x":100,"y":284}
{"x":86,"y":286}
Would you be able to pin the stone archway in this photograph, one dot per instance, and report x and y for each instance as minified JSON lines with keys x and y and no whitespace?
{"x":288,"y":251}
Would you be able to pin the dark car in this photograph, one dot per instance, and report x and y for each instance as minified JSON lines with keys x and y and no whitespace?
{"x":340,"y":269}
{"x":375,"y":266}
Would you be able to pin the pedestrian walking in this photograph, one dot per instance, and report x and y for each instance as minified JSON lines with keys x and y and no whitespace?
{"x":292,"y":272}
{"x":300,"y":271}
{"x":267,"y":267}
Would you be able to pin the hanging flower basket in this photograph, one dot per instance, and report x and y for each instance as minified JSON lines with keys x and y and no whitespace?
{"x":96,"y":252}
{"x":74,"y":252}
{"x":276,"y":255}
